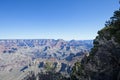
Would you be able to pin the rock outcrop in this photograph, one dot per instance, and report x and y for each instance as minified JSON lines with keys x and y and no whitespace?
{"x":103,"y":63}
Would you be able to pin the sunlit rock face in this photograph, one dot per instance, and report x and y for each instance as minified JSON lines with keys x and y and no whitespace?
{"x":28,"y":52}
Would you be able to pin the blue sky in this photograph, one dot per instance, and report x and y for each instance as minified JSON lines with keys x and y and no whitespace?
{"x":54,"y":19}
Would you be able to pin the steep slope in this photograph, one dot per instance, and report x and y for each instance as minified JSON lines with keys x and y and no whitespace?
{"x":103,"y":63}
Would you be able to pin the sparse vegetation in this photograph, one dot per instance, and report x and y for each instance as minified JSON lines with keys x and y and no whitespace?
{"x":49,"y":66}
{"x":76,"y":71}
{"x":46,"y":76}
{"x":103,"y":61}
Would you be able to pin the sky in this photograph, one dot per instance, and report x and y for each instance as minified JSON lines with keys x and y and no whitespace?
{"x":54,"y":19}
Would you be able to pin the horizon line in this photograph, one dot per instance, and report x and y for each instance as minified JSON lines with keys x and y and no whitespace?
{"x":41,"y":39}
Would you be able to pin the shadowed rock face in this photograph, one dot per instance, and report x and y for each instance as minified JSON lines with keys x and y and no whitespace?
{"x":23,"y":52}
{"x":103,"y":63}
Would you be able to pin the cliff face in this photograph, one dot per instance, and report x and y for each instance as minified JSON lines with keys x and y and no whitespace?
{"x":103,"y":63}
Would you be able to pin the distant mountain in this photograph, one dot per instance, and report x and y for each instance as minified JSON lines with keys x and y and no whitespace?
{"x":45,"y":48}
{"x":26,"y":54}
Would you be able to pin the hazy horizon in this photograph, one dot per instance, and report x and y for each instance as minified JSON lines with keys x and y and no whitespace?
{"x":49,"y":39}
{"x":54,"y":19}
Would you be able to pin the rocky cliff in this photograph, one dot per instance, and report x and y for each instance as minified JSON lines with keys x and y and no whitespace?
{"x":103,"y":63}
